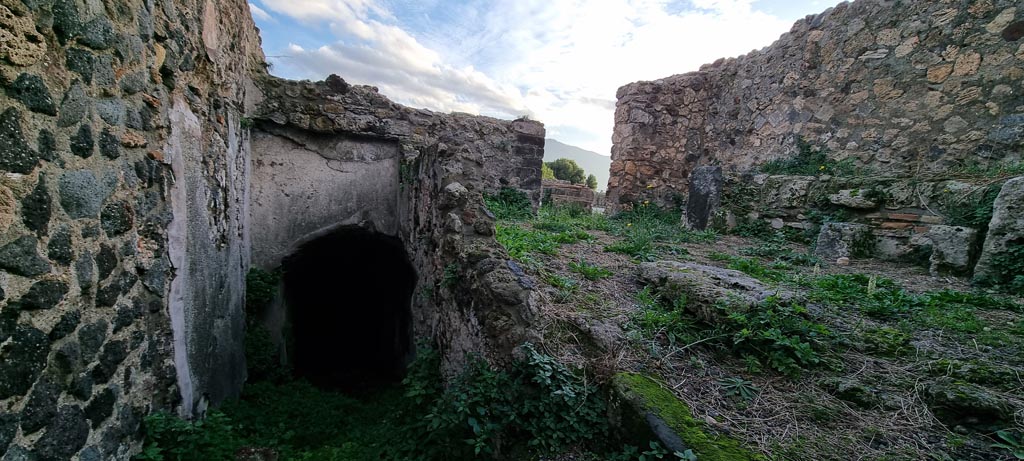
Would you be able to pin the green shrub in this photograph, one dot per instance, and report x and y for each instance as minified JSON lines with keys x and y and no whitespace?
{"x":509,"y":205}
{"x":808,"y":161}
{"x":538,"y":404}
{"x":657,"y":318}
{"x":169,"y":438}
{"x":263,"y":356}
{"x":972,"y":210}
{"x":776,"y":334}
{"x":260,"y":289}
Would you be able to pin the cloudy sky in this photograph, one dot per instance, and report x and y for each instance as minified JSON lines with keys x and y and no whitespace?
{"x":558,"y":61}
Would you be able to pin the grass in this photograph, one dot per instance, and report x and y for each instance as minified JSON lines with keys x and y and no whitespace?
{"x":648,"y":231}
{"x":589,"y":271}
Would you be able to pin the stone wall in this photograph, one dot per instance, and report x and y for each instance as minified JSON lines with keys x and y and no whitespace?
{"x":928,"y":220}
{"x":329,"y":155}
{"x":123,"y":235}
{"x":898,"y":86}
{"x":128,"y":190}
{"x":559,"y":193}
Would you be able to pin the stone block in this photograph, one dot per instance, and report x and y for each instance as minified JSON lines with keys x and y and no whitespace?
{"x":853,"y":198}
{"x":705,"y":195}
{"x":953,"y":249}
{"x":1005,"y":240}
{"x":844,"y":240}
{"x":706,"y":286}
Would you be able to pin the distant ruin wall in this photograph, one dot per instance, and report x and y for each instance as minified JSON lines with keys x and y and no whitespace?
{"x":900,"y":86}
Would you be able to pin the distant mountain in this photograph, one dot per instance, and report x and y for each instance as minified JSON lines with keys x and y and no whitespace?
{"x":591,"y":162}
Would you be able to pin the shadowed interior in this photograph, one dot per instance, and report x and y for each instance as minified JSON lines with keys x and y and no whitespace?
{"x":348,"y":298}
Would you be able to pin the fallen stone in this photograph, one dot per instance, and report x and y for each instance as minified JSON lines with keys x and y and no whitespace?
{"x":953,"y":249}
{"x":643,"y":409}
{"x":962,"y":404}
{"x":843,"y":240}
{"x":707,"y":286}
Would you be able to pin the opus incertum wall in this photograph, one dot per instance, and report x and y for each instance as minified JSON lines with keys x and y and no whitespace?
{"x":131,"y":197}
{"x":900,"y":86}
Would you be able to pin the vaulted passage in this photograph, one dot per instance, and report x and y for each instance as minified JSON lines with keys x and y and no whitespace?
{"x":348,"y":298}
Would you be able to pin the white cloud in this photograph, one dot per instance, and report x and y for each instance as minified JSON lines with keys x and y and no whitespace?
{"x":259,"y":13}
{"x":560,"y":61}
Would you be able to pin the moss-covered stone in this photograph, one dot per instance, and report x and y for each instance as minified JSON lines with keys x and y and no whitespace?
{"x":660,"y":409}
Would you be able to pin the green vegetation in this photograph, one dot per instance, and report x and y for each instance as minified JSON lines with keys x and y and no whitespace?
{"x":775,"y":334}
{"x":781,"y":253}
{"x":592,"y":182}
{"x":546,"y":172}
{"x":589,"y":271}
{"x":809,"y":161}
{"x":886,"y":341}
{"x":1009,"y":265}
{"x":262,"y":355}
{"x":568,"y":170}
{"x":677,"y":415}
{"x":509,"y":205}
{"x":754,"y":268}
{"x":973,"y":209}
{"x":536,"y":407}
{"x":1011,"y":443}
{"x":658,"y":318}
{"x":648,"y":230}
{"x":522,"y":243}
{"x":260,"y":289}
{"x":739,"y":387}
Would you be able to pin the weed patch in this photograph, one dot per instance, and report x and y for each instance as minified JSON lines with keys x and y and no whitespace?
{"x":509,"y":205}
{"x":809,"y":161}
{"x":589,"y":271}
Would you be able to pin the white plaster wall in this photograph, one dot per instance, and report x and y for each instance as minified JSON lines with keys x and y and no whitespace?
{"x":304,"y":187}
{"x":208,"y":246}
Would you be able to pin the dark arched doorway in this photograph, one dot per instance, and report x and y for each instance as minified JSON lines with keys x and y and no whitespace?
{"x":348,"y":297}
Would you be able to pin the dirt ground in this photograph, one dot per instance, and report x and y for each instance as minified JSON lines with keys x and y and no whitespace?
{"x":862,"y":406}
